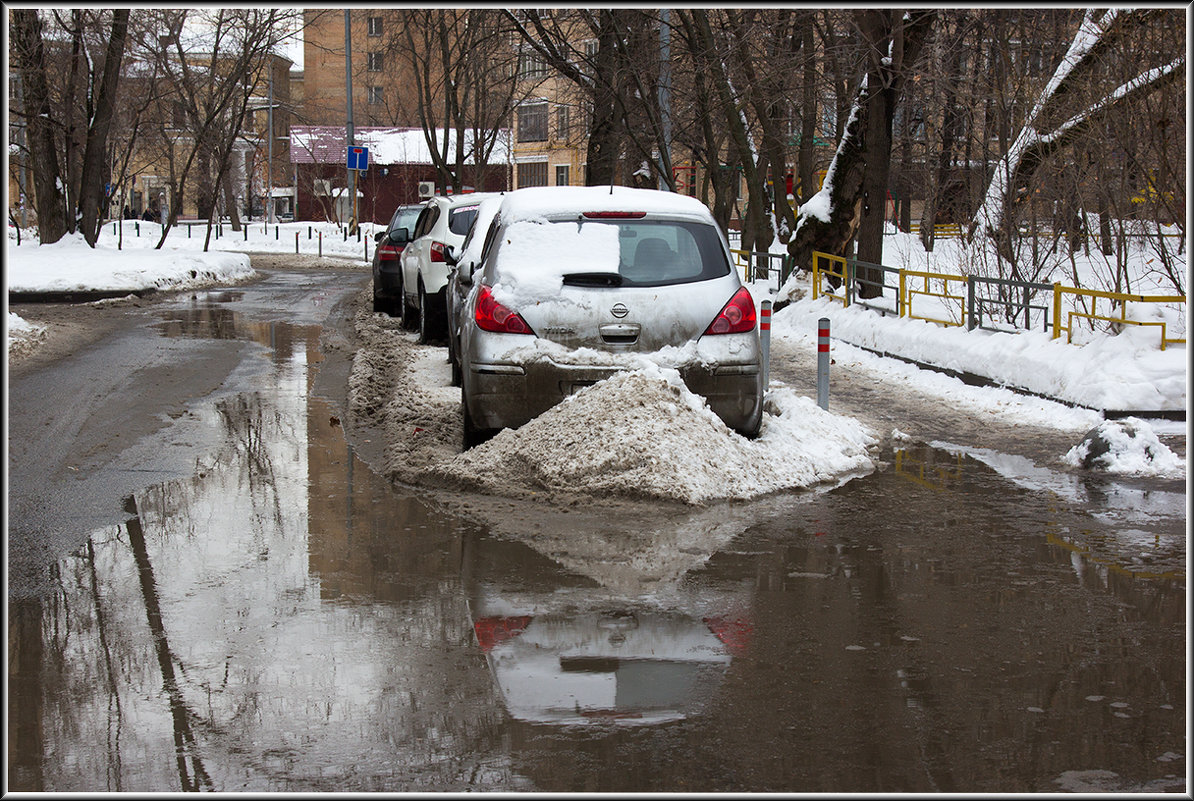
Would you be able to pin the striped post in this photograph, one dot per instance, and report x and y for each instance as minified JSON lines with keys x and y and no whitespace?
{"x":296,"y":241}
{"x":765,"y":341}
{"x":823,"y":363}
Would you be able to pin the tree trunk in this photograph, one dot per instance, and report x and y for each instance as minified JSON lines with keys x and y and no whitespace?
{"x":894,"y":47}
{"x":91,"y":192}
{"x":808,"y":121}
{"x":29,"y":58}
{"x":605,"y":130}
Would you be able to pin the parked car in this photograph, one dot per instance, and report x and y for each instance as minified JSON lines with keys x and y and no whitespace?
{"x":574,"y":279}
{"x":457,"y":292}
{"x":439,"y":231}
{"x":387,"y":264}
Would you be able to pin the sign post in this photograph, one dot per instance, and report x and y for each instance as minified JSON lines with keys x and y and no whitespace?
{"x":358,"y":159}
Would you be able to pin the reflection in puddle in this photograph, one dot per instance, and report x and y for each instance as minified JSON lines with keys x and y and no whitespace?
{"x":285,"y":620}
{"x":563,"y":649}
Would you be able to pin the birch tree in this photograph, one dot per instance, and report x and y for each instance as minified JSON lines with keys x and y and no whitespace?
{"x":1053,"y":124}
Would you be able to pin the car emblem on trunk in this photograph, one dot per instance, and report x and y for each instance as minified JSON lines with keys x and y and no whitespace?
{"x":619,"y":311}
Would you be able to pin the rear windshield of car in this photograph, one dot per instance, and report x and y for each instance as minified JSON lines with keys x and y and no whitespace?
{"x":406,"y":218}
{"x":661,"y":252}
{"x":460,"y":219}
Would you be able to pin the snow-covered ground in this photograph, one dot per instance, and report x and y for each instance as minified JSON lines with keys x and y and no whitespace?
{"x":126,"y":257}
{"x":800,"y":445}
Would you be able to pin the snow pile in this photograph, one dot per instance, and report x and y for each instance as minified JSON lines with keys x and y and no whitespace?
{"x":1124,"y":372}
{"x":1128,"y":446}
{"x":643,"y":433}
{"x":70,"y":265}
{"x":22,"y":334}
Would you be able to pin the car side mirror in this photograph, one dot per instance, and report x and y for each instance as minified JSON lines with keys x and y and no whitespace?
{"x":450,"y":256}
{"x":400,"y":236}
{"x":378,"y":236}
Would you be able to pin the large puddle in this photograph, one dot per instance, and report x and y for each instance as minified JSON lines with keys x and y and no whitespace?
{"x":285,"y":620}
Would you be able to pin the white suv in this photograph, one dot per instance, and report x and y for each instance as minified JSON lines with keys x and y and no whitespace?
{"x":439,"y":230}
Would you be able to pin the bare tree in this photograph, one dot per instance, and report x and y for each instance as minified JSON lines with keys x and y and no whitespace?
{"x":30,"y":61}
{"x":462,"y":67}
{"x":212,"y":87}
{"x":1053,"y":123}
{"x":855,"y":186}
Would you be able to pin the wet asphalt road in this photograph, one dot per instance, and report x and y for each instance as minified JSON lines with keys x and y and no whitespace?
{"x":209,"y":589}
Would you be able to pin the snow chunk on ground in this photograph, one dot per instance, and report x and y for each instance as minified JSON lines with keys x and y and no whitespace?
{"x":1128,"y":446}
{"x":69,"y":265}
{"x":642,"y":433}
{"x":22,"y":334}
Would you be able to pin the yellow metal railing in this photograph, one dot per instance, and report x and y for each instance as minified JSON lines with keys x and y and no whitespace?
{"x":1121,"y":318}
{"x":914,"y":283}
{"x":837,"y":267}
{"x":908,"y":292}
{"x":943,"y":231}
{"x":920,"y":471}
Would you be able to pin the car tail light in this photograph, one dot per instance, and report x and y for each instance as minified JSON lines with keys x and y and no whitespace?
{"x":388,"y":252}
{"x":493,"y":316}
{"x":437,"y":251}
{"x":614,"y":215}
{"x":493,"y":631}
{"x":736,"y":317}
{"x":734,"y":632}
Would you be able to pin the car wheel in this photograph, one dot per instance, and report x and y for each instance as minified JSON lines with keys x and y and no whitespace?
{"x":379,"y":305}
{"x":473,"y":436}
{"x":457,"y":376}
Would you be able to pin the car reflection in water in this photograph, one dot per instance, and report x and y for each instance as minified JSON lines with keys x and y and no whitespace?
{"x":564,"y":650}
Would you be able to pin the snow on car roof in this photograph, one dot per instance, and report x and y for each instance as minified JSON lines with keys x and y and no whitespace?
{"x":543,"y":201}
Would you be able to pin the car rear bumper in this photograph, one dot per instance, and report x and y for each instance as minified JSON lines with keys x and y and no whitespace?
{"x":509,"y":395}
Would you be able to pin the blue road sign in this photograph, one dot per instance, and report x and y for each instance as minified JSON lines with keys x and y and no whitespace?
{"x":358,"y":158}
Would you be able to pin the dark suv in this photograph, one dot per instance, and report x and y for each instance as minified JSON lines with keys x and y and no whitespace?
{"x":387,"y":258}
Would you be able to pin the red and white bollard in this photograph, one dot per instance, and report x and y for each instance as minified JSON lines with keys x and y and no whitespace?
{"x":823,"y":363}
{"x":765,"y":341}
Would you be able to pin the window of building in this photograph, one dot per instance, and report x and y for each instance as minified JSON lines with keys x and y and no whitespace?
{"x":375,"y":26}
{"x":591,"y":49}
{"x":532,"y":173}
{"x":530,"y":65}
{"x":561,"y":175}
{"x":532,"y":123}
{"x":375,"y":96}
{"x":375,"y":62}
{"x":562,"y":122}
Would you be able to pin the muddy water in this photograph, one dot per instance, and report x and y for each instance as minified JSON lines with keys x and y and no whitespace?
{"x":282,"y":619}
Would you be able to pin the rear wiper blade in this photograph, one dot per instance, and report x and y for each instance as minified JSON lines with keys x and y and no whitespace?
{"x":593,"y":279}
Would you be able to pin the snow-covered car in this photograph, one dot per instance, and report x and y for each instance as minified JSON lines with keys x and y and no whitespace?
{"x":387,"y":264}
{"x":577,"y":283}
{"x":465,"y":263}
{"x":440,"y":230}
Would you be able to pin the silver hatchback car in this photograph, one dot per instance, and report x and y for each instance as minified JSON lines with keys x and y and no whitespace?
{"x":577,"y":283}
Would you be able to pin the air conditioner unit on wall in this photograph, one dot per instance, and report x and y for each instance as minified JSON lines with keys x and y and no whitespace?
{"x":323,"y":186}
{"x":426,"y":188}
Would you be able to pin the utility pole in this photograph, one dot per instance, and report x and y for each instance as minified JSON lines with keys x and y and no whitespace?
{"x":269,"y":115}
{"x":352,"y":188}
